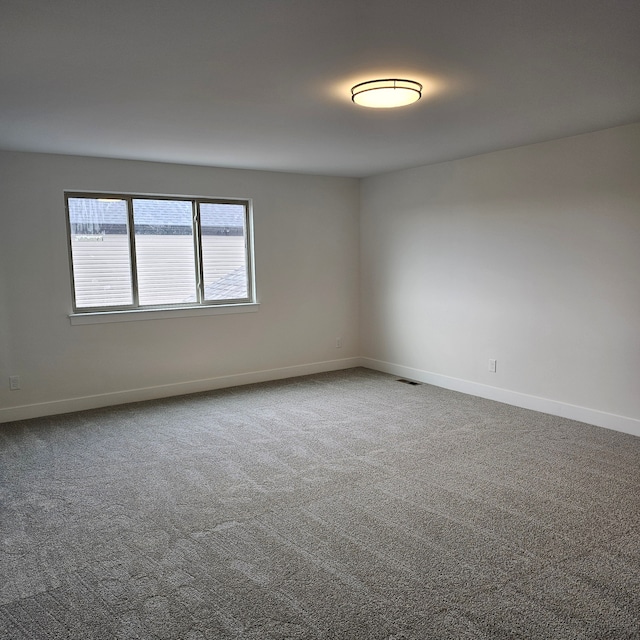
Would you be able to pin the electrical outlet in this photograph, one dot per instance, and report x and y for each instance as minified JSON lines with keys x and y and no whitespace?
{"x":14,"y":383}
{"x":338,"y":343}
{"x":492,"y":365}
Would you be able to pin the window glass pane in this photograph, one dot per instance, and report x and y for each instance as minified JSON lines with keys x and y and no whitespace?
{"x":100,"y":252}
{"x":164,"y":251}
{"x":224,"y":255}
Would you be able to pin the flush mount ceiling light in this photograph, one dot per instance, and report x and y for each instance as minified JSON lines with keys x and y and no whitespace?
{"x":386,"y":94}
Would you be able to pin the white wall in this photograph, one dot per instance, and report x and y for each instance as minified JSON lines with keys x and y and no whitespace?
{"x":306,"y":240}
{"x":530,"y":256}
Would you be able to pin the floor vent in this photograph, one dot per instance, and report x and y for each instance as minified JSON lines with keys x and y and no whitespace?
{"x":411,"y":382}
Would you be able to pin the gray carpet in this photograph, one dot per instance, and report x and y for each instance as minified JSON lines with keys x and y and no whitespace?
{"x":342,"y":505}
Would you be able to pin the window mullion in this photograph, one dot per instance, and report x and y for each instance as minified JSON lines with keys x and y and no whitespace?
{"x":197,"y":250}
{"x":132,"y":254}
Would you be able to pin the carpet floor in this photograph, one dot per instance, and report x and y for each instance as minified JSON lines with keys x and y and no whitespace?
{"x":344,"y":505}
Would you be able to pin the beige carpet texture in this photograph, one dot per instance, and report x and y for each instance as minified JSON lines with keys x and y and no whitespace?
{"x":345,"y":505}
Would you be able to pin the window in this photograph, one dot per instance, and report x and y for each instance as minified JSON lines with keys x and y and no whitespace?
{"x":132,"y":252}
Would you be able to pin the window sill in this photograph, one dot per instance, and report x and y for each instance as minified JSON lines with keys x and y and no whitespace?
{"x":103,"y":317}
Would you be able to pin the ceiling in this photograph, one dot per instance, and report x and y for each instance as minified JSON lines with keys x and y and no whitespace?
{"x":265,"y":84}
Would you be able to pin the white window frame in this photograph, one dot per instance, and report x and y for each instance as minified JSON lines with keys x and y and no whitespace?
{"x":136,"y":311}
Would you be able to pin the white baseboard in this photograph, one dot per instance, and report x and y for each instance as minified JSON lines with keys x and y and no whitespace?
{"x":544,"y":405}
{"x":69,"y":405}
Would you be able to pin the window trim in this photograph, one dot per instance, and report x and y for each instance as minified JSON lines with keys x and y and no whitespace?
{"x":106,"y":317}
{"x":202,"y":306}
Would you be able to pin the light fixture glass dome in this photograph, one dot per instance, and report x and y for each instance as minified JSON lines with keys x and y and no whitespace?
{"x":386,"y":94}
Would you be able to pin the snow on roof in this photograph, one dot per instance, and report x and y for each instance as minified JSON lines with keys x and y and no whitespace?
{"x":232,"y":286}
{"x":153,"y":213}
